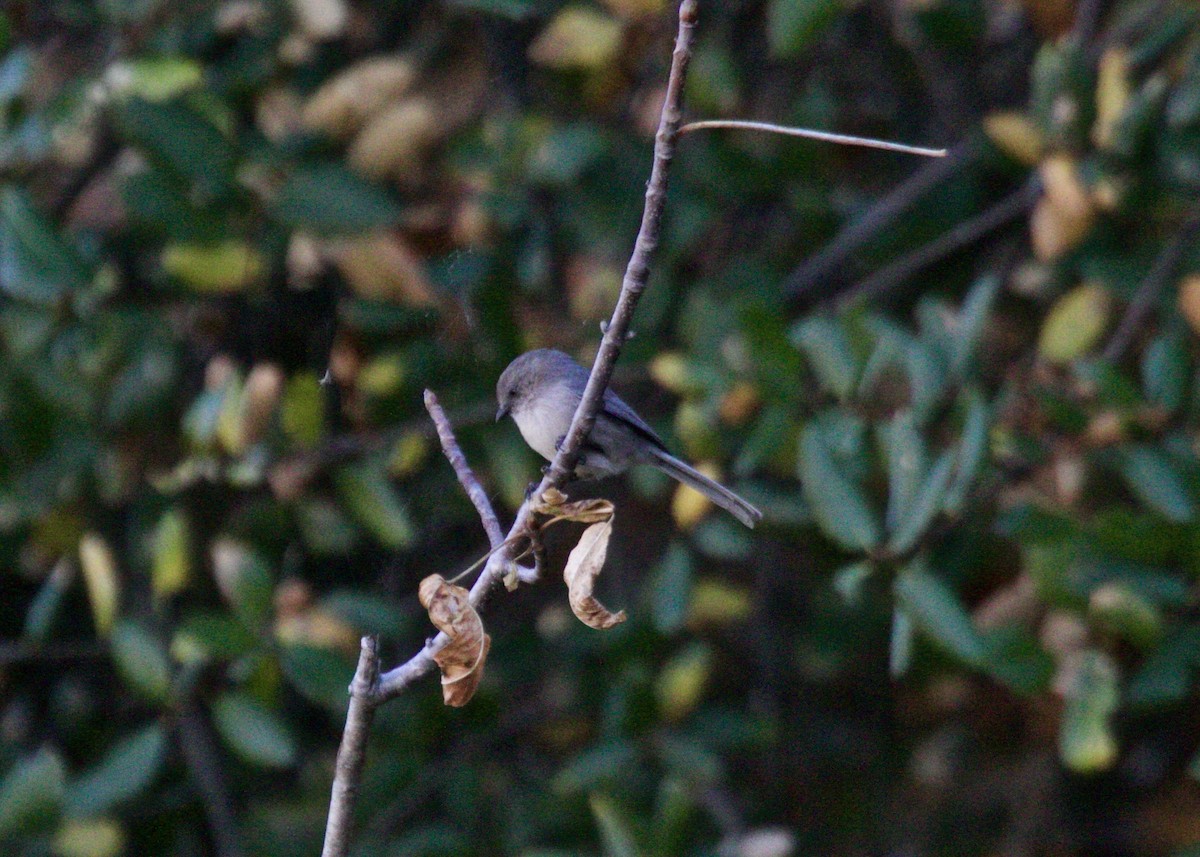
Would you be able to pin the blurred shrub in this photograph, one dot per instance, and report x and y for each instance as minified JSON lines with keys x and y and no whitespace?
{"x":236,"y":241}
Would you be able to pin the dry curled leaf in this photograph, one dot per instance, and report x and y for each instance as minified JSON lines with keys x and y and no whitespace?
{"x":583,"y":567}
{"x":461,"y":660}
{"x":554,"y":505}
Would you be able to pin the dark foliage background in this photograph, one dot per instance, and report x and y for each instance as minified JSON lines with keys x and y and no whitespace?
{"x":963,"y":392}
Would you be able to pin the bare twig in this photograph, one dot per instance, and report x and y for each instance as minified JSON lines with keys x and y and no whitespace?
{"x":816,"y":272}
{"x":637,"y":272}
{"x":962,"y":235}
{"x":203,"y":764}
{"x":466,"y":477}
{"x":352,"y":754}
{"x":1149,"y":290}
{"x":826,"y":136}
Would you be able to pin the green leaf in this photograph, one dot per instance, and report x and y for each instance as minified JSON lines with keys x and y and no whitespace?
{"x":36,"y":263}
{"x":513,"y":9}
{"x":848,"y":581}
{"x":900,"y":647}
{"x":1086,"y":742}
{"x":141,"y":661}
{"x":1165,"y":371}
{"x":907,"y":461}
{"x":322,"y":676}
{"x":329,"y":199}
{"x":829,"y":352}
{"x":211,"y":637}
{"x":839,"y":505}
{"x":1015,"y":658}
{"x":366,"y":612}
{"x":793,"y":25}
{"x":602,"y":763}
{"x":616,"y":831}
{"x":972,"y":450}
{"x":671,"y":588}
{"x":938,"y":613}
{"x":253,"y":732}
{"x":924,"y":506}
{"x":183,"y":141}
{"x":127,"y":769}
{"x":972,"y":318}
{"x":31,"y":794}
{"x":1165,"y":678}
{"x":1152,"y":478}
{"x":370,"y":498}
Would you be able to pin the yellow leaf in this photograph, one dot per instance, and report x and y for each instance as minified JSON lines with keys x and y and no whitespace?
{"x":1055,"y":232}
{"x":714,"y":602}
{"x":1075,"y":323}
{"x":681,"y":684}
{"x":578,"y":38}
{"x":583,"y":567}
{"x":345,"y":102}
{"x":689,"y":506}
{"x":100,"y":575}
{"x":461,"y":660}
{"x":172,"y":561}
{"x":393,"y":141}
{"x":1112,"y":93}
{"x":1189,"y":301}
{"x":1016,"y":135}
{"x":90,"y":837}
{"x":227,"y":266}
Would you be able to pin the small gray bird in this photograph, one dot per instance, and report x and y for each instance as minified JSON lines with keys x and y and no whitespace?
{"x":542,"y":389}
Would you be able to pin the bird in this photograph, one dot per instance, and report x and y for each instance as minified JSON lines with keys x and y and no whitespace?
{"x":542,"y":388}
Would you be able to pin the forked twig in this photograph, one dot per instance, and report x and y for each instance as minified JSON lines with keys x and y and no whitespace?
{"x":466,"y":476}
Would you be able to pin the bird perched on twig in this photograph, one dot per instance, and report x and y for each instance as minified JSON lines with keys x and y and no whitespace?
{"x":541,"y":390}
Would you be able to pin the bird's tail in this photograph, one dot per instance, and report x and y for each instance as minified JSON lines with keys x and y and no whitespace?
{"x":718,"y":493}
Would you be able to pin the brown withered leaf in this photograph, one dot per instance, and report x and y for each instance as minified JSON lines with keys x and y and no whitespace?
{"x":555,"y":505}
{"x":583,"y":567}
{"x":461,"y":660}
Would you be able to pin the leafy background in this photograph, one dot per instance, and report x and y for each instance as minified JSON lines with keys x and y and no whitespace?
{"x":963,"y":392}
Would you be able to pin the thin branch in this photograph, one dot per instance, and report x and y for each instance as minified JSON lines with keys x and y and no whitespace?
{"x":352,"y":754}
{"x":814,"y":274}
{"x":964,"y":234}
{"x":1148,"y":291}
{"x":636,"y":274}
{"x":466,"y":477}
{"x":202,"y":758}
{"x":808,"y":133}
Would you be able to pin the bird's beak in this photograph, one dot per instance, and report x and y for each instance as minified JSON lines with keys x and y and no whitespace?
{"x":501,"y":413}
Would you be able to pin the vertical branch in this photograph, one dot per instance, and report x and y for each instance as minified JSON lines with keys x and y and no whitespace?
{"x":352,"y":754}
{"x":637,"y":272}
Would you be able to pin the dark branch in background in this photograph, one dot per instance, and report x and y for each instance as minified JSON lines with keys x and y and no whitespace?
{"x":1150,"y":289}
{"x":367,"y":691}
{"x":816,"y":272}
{"x":202,"y":757}
{"x":964,"y":234}
{"x":466,"y":477}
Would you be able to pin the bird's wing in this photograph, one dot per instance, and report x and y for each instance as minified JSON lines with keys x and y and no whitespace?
{"x":618,"y":410}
